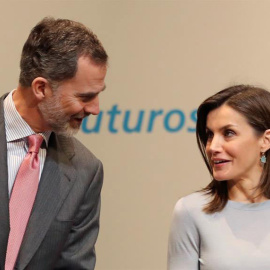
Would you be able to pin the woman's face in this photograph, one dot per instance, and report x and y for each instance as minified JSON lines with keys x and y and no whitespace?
{"x":233,"y":148}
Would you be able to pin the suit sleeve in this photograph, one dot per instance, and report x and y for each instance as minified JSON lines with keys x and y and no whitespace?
{"x":79,"y":250}
{"x":183,"y":249}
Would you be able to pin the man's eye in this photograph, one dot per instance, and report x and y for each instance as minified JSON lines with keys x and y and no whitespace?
{"x":87,"y":99}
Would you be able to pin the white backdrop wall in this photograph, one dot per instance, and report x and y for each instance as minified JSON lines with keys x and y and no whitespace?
{"x":165,"y":58}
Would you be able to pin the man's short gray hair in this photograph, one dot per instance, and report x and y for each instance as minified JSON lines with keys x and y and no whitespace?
{"x":53,"y":48}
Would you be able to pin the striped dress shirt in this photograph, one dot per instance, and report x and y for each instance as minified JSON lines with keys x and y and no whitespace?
{"x":17,"y":131}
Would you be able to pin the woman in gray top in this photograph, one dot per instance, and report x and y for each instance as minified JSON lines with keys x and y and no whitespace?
{"x":226,"y":226}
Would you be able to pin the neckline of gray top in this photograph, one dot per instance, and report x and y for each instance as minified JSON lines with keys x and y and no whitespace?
{"x":248,"y":206}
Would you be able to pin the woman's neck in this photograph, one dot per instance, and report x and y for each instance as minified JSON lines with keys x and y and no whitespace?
{"x":245,"y":191}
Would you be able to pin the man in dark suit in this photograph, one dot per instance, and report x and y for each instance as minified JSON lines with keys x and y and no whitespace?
{"x":63,"y":67}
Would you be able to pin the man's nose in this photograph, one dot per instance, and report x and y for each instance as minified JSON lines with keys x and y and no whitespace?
{"x":92,"y":107}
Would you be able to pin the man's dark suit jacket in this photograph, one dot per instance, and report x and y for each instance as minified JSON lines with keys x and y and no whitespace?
{"x":63,"y":227}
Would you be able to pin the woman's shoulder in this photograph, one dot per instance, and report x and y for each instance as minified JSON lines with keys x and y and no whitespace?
{"x":194,"y":202}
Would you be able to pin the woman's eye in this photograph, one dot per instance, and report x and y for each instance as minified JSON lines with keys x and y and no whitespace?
{"x":229,"y":133}
{"x":209,"y":135}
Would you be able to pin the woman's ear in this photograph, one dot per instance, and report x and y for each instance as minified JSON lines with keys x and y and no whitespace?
{"x":265,"y":141}
{"x":41,"y":88}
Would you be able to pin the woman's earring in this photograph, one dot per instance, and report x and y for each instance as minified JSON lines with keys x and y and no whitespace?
{"x":263,"y":158}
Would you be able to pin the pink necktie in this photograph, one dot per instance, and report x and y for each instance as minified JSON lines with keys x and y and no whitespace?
{"x":22,"y":199}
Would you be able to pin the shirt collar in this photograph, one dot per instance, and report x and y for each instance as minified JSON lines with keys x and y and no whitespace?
{"x":16,"y":127}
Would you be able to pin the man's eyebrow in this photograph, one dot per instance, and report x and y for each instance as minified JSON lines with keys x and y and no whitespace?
{"x":86,"y":95}
{"x":89,"y":94}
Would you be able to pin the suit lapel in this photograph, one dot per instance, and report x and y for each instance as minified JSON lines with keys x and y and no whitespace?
{"x":56,"y":181}
{"x":4,"y":197}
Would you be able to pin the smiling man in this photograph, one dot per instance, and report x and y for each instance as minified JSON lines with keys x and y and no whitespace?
{"x":50,"y":183}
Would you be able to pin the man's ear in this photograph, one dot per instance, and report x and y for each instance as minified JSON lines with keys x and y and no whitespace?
{"x":41,"y":88}
{"x":266,"y":141}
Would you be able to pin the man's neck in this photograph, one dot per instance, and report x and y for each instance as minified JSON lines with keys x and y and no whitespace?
{"x":27,"y":106}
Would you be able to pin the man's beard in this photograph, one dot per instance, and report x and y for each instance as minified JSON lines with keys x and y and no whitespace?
{"x":56,"y":118}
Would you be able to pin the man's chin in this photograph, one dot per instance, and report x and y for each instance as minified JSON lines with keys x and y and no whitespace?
{"x":67,"y":131}
{"x":75,"y":123}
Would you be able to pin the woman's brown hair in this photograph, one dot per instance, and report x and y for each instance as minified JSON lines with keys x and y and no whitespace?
{"x":254,"y":104}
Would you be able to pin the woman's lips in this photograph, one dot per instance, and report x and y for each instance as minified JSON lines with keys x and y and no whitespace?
{"x":219,"y":162}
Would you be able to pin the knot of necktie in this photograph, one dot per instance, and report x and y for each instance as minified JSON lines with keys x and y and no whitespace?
{"x":35,"y":142}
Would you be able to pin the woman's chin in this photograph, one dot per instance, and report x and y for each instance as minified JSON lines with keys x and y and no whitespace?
{"x":220,"y":178}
